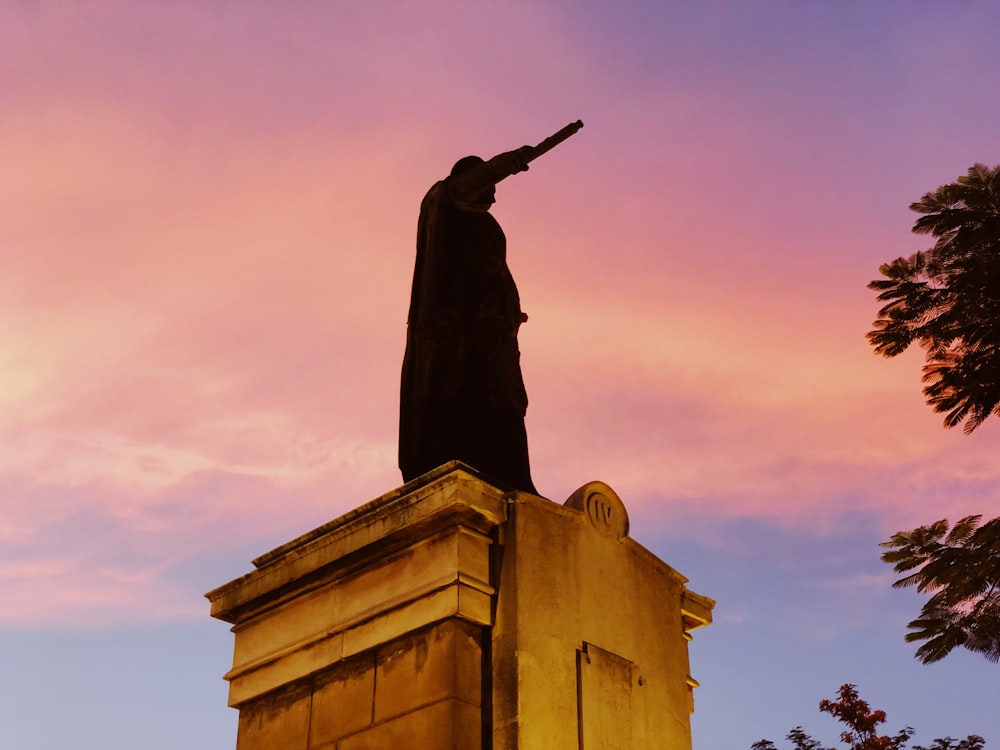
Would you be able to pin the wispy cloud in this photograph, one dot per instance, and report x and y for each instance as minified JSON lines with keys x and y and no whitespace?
{"x":208,"y":238}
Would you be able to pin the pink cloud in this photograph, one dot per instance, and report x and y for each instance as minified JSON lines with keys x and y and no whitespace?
{"x":207,"y":252}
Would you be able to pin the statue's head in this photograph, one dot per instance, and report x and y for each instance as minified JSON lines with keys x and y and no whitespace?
{"x":465,"y":164}
{"x":484,"y":200}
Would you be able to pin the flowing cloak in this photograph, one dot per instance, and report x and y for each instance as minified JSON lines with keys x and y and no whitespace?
{"x":462,"y":396}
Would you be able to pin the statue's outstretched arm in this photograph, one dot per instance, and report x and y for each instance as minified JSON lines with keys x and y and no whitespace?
{"x":484,"y":176}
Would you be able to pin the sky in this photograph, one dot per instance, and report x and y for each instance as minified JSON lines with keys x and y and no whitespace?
{"x":207,"y":224}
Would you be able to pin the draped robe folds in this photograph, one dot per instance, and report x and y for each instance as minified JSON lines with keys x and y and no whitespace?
{"x":462,"y":395}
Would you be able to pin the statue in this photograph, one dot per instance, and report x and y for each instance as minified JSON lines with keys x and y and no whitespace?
{"x":462,"y":395}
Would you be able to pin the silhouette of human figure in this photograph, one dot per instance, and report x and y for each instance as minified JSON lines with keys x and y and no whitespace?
{"x":462,"y":395}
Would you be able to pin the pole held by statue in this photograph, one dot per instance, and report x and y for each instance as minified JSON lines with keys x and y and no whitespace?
{"x":554,"y":140}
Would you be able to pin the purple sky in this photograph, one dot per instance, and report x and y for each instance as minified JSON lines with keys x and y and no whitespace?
{"x":207,"y":221}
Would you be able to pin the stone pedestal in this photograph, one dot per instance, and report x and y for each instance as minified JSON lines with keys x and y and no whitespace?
{"x":451,"y":615}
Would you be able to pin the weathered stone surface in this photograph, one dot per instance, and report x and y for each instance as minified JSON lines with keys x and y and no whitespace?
{"x":385,"y":585}
{"x":343,"y":700}
{"x":565,"y":582}
{"x":433,"y":673}
{"x":607,"y":688}
{"x":447,"y":725}
{"x":448,"y":614}
{"x":443,"y":662}
{"x":398,"y":518}
{"x":283,"y":667}
{"x":278,"y":721}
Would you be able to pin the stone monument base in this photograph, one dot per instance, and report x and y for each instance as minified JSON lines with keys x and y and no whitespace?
{"x":450,"y":614}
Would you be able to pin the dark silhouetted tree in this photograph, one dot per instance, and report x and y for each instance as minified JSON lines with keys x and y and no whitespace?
{"x":960,"y":569}
{"x":947,"y":299}
{"x":862,"y":729}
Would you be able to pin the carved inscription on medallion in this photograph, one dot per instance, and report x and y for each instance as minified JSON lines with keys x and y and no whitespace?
{"x":603,"y":507}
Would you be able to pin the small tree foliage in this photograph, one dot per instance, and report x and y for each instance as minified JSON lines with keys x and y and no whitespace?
{"x":947,"y":299}
{"x":960,"y":568}
{"x":862,"y":723}
{"x":862,"y":732}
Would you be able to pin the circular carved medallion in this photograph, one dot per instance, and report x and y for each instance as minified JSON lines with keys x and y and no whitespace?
{"x":603,"y":507}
